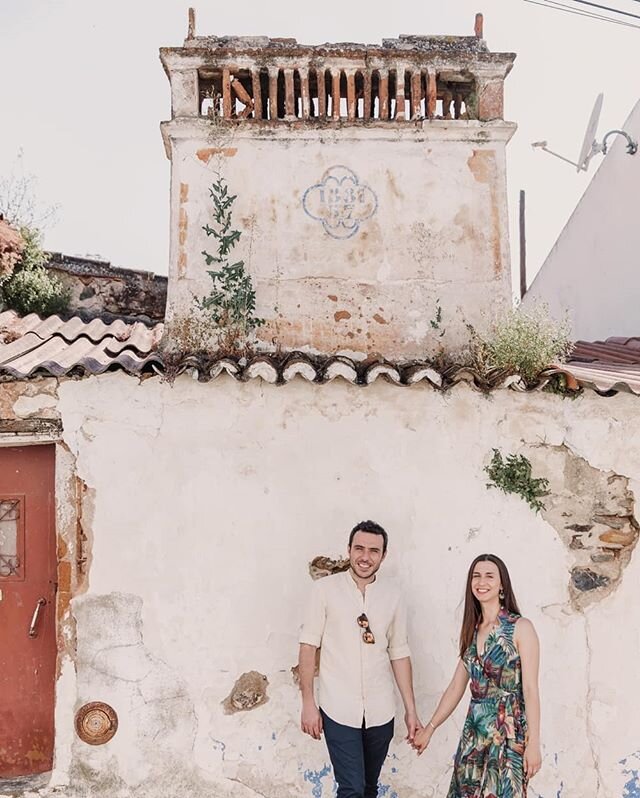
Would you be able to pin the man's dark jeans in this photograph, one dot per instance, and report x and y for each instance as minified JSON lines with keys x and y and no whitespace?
{"x":357,"y":756}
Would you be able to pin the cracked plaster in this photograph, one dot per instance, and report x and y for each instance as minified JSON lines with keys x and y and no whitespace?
{"x":593,"y":512}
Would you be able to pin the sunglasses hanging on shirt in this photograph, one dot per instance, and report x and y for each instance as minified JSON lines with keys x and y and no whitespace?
{"x":367,"y":634}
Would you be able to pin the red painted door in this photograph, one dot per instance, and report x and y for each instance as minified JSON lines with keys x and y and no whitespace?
{"x":27,"y":609}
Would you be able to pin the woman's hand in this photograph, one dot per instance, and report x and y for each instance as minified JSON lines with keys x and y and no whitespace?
{"x":532,"y":760}
{"x":422,"y":739}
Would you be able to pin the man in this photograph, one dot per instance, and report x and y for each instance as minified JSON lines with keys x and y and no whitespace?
{"x":358,"y":621}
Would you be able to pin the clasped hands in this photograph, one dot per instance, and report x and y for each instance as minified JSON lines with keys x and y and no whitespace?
{"x":421,"y":739}
{"x":418,"y":736}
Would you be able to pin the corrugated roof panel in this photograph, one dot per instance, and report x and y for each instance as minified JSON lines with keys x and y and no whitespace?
{"x":20,"y":346}
{"x":54,"y":346}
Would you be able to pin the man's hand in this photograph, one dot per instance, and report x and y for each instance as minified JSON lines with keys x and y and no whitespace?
{"x":311,"y":720}
{"x":532,"y":760}
{"x":422,"y":739}
{"x":413,"y":725}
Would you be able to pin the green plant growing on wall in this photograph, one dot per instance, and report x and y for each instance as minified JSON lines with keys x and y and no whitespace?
{"x":436,"y":320}
{"x":231,"y":301}
{"x":31,"y":288}
{"x":513,"y":475}
{"x":523,"y":342}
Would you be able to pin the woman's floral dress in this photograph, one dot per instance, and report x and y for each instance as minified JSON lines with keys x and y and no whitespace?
{"x":489,"y":759}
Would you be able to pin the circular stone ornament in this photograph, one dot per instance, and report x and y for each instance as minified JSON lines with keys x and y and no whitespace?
{"x":96,"y":723}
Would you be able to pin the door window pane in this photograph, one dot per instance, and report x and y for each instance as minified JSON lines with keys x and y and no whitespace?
{"x":9,"y":518}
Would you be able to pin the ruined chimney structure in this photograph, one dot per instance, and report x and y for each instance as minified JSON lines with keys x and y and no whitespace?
{"x":370,"y":184}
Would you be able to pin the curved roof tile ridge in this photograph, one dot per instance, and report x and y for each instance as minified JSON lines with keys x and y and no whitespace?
{"x":31,"y":346}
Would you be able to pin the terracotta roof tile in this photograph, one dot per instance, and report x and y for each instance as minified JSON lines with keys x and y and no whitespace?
{"x":32,"y":346}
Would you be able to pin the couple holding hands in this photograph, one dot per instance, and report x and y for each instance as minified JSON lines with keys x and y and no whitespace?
{"x":358,"y":621}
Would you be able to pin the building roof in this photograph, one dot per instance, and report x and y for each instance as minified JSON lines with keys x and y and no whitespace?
{"x":96,"y":267}
{"x":606,"y":366}
{"x":32,"y":347}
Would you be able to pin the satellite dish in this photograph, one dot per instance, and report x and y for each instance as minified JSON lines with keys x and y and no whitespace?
{"x":590,"y":146}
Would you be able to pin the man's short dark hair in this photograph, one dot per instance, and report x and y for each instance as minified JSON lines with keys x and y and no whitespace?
{"x":373,"y":528}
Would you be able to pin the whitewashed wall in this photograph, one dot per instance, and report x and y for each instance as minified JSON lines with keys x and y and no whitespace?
{"x":591,"y":274}
{"x":209,"y":500}
{"x":417,"y":221}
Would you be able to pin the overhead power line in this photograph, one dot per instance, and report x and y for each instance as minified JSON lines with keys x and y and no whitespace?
{"x":606,"y":8}
{"x":556,"y":6}
{"x":592,"y":14}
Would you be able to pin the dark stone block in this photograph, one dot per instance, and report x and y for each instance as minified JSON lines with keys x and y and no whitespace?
{"x":585,"y":579}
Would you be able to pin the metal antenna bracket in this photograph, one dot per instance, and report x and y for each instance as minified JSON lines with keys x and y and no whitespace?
{"x":632,"y":146}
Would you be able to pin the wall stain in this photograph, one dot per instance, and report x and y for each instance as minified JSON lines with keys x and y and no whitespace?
{"x":205,"y":154}
{"x":483,"y":167}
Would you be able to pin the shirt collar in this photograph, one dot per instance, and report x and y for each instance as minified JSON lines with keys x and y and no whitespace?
{"x":352,"y":581}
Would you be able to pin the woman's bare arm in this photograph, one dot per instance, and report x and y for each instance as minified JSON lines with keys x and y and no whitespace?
{"x":528,"y":646}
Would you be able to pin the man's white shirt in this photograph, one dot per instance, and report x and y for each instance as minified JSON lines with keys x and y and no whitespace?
{"x":355,"y":680}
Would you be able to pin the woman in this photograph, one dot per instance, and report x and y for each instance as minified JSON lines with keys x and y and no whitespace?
{"x":499,"y":749}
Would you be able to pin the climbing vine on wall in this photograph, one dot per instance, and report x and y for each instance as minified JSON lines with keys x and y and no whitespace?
{"x":513,"y":475}
{"x":231,"y":301}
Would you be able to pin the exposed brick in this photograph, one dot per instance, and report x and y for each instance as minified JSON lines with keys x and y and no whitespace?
{"x":490,"y":100}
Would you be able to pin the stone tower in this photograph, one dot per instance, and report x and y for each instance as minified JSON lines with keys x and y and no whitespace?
{"x":370,"y":183}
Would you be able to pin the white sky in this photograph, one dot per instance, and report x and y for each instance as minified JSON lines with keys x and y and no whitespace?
{"x":83,"y":93}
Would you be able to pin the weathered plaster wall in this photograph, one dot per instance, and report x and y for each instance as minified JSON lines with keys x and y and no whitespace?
{"x":209,"y":501}
{"x":596,"y":253}
{"x":354,"y":237}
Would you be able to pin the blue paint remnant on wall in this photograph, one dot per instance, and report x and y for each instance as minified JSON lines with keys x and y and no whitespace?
{"x":340,"y":201}
{"x":394,"y":770}
{"x":631,"y":768}
{"x":535,"y":794}
{"x":273,"y":736}
{"x":632,"y":787}
{"x":383,"y":791}
{"x":315,"y":777}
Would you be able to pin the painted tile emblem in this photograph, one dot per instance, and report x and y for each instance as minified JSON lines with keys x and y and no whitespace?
{"x":340,"y":201}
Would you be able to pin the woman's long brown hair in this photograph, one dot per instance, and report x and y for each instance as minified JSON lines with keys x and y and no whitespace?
{"x":472,"y":609}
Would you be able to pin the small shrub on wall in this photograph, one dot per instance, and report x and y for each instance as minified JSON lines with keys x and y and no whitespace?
{"x":523,"y":342}
{"x":513,"y":475}
{"x":231,"y":301}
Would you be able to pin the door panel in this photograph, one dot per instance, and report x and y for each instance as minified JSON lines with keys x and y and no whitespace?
{"x":27,"y":609}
